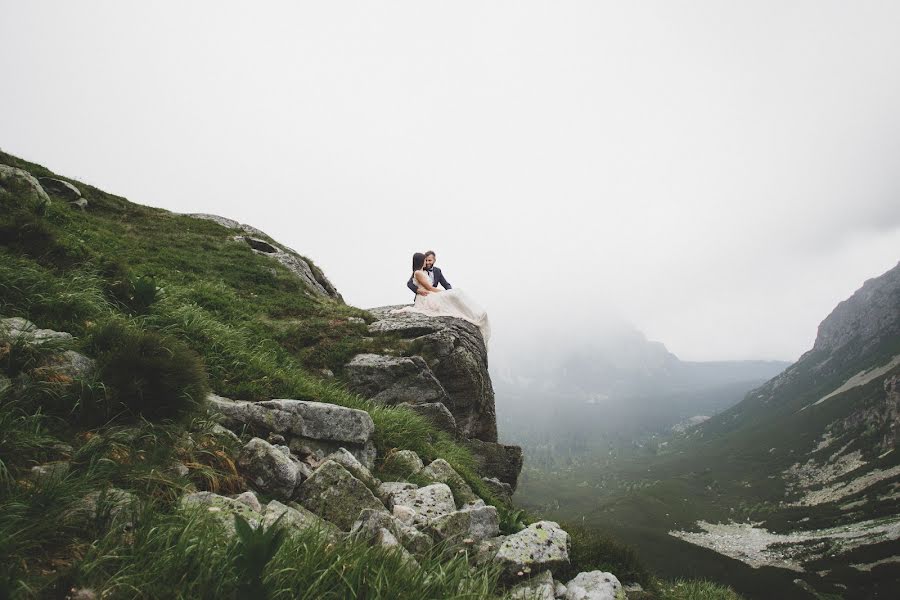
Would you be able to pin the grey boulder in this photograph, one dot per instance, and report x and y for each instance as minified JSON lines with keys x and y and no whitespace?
{"x":370,"y":522}
{"x":337,"y":496}
{"x":541,"y":546}
{"x":594,"y":585}
{"x":21,"y":183}
{"x":471,"y":523}
{"x":427,"y":503}
{"x":435,"y":413}
{"x":393,"y":379}
{"x":403,"y":463}
{"x":58,"y":187}
{"x":540,"y":587}
{"x":346,"y":459}
{"x":222,"y":508}
{"x":269,"y":468}
{"x":440,"y":471}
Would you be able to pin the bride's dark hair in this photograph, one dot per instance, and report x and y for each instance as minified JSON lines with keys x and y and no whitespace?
{"x":418,"y":261}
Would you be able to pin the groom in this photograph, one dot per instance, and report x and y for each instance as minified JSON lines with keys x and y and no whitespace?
{"x":434,"y":274}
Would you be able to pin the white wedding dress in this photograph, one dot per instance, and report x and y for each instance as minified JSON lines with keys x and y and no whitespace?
{"x":451,"y":303}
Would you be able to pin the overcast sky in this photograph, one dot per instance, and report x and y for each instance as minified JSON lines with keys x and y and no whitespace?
{"x":721,"y":174}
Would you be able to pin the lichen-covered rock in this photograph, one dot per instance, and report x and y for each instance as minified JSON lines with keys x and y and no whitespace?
{"x":485,"y":551}
{"x":594,"y":585}
{"x":337,"y":496}
{"x":393,"y":379}
{"x":475,"y":523}
{"x":403,"y":462}
{"x":498,"y":488}
{"x":539,"y":547}
{"x":63,"y":189}
{"x":343,"y":457}
{"x":440,"y":471}
{"x":21,"y":186}
{"x":560,"y":589}
{"x":429,"y":502}
{"x":222,"y":508}
{"x":386,"y":491}
{"x":540,"y":587}
{"x":270,"y":470}
{"x":319,"y":426}
{"x":436,"y":413}
{"x":107,"y":508}
{"x":501,"y":461}
{"x":250,"y":499}
{"x":18,"y":330}
{"x":68,"y":365}
{"x":455,"y":352}
{"x":295,"y":517}
{"x":370,"y":522}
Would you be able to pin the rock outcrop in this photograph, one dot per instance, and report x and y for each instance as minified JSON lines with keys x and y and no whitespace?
{"x":20,"y":183}
{"x":303,"y":269}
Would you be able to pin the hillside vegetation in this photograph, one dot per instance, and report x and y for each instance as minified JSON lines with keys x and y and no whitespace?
{"x":172,"y":308}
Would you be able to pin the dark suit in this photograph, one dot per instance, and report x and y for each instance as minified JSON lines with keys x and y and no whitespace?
{"x":438,"y":279}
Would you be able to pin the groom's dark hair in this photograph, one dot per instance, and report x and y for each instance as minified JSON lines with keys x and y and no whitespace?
{"x":430,"y":253}
{"x":418,"y":261}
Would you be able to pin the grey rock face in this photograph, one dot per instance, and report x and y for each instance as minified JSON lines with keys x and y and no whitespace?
{"x":501,"y":461}
{"x":456,"y":355}
{"x":63,"y":189}
{"x":403,"y":462}
{"x":315,"y":425}
{"x":428,"y":503}
{"x":437,"y":414}
{"x":312,"y":277}
{"x":66,"y":364}
{"x":269,"y":469}
{"x":500,"y":489}
{"x":593,"y":585}
{"x":386,"y":491}
{"x":539,"y":547}
{"x":223,"y":509}
{"x":337,"y":496}
{"x":370,"y":522}
{"x":393,"y":379}
{"x":476,"y":523}
{"x":13,"y":180}
{"x":294,"y":518}
{"x":356,"y":468}
{"x":18,"y":330}
{"x":440,"y":471}
{"x":540,"y":587}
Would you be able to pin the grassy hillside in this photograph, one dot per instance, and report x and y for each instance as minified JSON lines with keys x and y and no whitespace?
{"x":171,"y":308}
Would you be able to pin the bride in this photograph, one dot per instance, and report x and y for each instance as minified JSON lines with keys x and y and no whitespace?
{"x":446,"y":303}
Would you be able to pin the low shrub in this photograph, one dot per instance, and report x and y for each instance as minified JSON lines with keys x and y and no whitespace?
{"x":148,"y":374}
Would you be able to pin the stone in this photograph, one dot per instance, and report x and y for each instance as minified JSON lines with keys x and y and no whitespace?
{"x":313,"y":278}
{"x":501,"y":461}
{"x":539,"y":547}
{"x":485,"y":551}
{"x":391,"y":380}
{"x":435,"y":413}
{"x":315,"y":451}
{"x":356,"y":468}
{"x":300,"y":418}
{"x":440,"y":471}
{"x":18,"y":330}
{"x":58,"y":187}
{"x":594,"y":585}
{"x":295,"y":518}
{"x":106,"y":508}
{"x":220,"y":431}
{"x":406,"y":515}
{"x":502,"y":490}
{"x":370,"y":522}
{"x":22,"y":185}
{"x":68,"y":364}
{"x":386,"y":491}
{"x":476,"y":523}
{"x":222,"y":508}
{"x":80,"y":203}
{"x":539,"y":587}
{"x":250,"y":499}
{"x":560,"y":589}
{"x":268,"y":469}
{"x":429,"y":502}
{"x":336,"y":495}
{"x":54,"y":470}
{"x":403,"y":462}
{"x":456,"y":354}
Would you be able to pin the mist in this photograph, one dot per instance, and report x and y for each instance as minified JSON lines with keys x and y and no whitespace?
{"x":714,"y":176}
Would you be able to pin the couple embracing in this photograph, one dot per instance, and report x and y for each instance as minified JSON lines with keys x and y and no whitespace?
{"x":432,"y":301}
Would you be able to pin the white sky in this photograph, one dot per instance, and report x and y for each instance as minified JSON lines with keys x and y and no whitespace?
{"x":719,"y":173}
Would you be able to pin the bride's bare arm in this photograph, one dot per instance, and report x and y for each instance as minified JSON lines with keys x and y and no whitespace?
{"x":423,"y":281}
